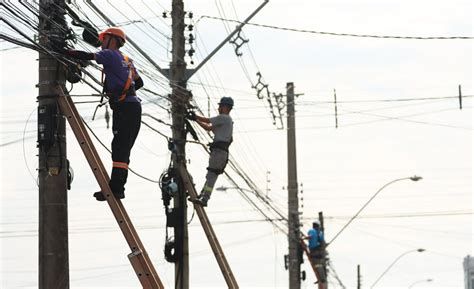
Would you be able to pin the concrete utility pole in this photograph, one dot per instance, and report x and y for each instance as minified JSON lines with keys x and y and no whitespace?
{"x":358,"y":276}
{"x":180,"y":98}
{"x":293,"y":214}
{"x":321,"y":221}
{"x":53,"y":222}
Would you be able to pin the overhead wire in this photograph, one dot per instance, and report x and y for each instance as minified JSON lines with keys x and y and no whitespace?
{"x":248,"y":148}
{"x":104,"y":145}
{"x":36,"y":180}
{"x":44,"y":49}
{"x":344,"y":34}
{"x":106,"y":148}
{"x":404,"y":118}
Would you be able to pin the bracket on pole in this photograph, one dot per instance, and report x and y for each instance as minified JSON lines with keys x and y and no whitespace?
{"x":240,"y":44}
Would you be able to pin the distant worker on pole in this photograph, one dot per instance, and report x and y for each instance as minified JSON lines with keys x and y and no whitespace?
{"x":120,"y":85}
{"x":222,"y":127}
{"x":317,"y":248}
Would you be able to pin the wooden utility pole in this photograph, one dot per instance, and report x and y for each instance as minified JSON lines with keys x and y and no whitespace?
{"x":293,"y":214}
{"x":179,"y":98}
{"x":52,"y":168}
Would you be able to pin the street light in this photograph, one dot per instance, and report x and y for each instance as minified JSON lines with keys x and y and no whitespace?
{"x":393,"y":263}
{"x":419,"y":281}
{"x":224,"y":189}
{"x":414,"y":178}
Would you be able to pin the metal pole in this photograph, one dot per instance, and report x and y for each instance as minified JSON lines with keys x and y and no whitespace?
{"x":393,"y":263}
{"x":237,"y":29}
{"x":293,"y":216}
{"x":179,"y":99}
{"x":414,"y":178}
{"x":53,"y":219}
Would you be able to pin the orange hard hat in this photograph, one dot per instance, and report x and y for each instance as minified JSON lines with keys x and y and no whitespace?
{"x":113,"y":31}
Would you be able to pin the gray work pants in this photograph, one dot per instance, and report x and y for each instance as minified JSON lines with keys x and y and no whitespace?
{"x":217,"y":162}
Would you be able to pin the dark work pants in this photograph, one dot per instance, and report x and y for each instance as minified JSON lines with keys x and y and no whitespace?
{"x":125,"y":126}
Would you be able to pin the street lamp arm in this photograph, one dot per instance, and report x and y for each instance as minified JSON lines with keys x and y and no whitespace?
{"x":389,"y":267}
{"x":420,"y":281}
{"x":393,"y":263}
{"x":414,"y":178}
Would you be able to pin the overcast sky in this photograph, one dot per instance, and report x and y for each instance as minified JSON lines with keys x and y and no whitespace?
{"x":398,"y":116}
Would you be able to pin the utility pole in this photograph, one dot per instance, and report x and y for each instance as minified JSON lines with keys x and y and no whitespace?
{"x":179,"y":98}
{"x":321,"y":220}
{"x":293,"y":214}
{"x":53,"y":218}
{"x":358,"y":276}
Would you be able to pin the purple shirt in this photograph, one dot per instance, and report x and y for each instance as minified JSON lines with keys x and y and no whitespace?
{"x":116,"y":72}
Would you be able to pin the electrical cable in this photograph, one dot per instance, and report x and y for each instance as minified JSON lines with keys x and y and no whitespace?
{"x":104,"y":146}
{"x":36,"y":180}
{"x":343,"y":34}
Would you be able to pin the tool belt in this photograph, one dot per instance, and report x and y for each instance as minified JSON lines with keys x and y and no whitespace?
{"x":222,"y":145}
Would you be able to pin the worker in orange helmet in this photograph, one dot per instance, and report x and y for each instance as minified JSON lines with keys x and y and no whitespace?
{"x":120,"y":85}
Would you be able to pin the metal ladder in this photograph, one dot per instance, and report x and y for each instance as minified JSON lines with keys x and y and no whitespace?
{"x":209,"y":231}
{"x":139,"y":259}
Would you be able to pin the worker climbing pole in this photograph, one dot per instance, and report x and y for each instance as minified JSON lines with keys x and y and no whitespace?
{"x":315,"y":251}
{"x":139,"y":258}
{"x":121,"y":93}
{"x":222,"y":127}
{"x":178,"y":75}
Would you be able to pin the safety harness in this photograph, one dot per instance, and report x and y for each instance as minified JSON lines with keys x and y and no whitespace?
{"x":128,"y":89}
{"x":128,"y":83}
{"x":221,"y":145}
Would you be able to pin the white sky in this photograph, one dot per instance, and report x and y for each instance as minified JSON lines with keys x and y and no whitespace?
{"x":340,"y":169}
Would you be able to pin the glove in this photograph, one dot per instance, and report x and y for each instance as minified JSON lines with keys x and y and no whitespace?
{"x":191,"y":115}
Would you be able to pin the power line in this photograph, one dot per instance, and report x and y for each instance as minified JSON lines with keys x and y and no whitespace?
{"x":384,"y":100}
{"x":104,"y":146}
{"x":406,"y":215}
{"x":345,"y":34}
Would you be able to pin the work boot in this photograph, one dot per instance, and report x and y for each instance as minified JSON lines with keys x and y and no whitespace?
{"x":117,"y":189}
{"x":120,"y":195}
{"x":99,"y":196}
